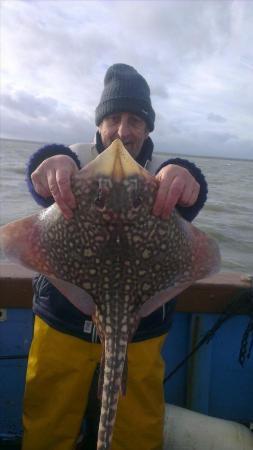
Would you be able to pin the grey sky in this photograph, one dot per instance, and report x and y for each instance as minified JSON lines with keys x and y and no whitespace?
{"x":197,"y":57}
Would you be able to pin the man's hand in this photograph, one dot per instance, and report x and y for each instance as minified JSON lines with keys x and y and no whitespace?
{"x":176,"y":187}
{"x":52,"y":178}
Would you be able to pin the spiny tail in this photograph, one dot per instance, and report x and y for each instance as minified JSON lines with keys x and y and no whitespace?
{"x":115,"y":356}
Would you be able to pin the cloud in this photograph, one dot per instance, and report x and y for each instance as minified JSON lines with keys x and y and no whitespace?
{"x":216,"y":118}
{"x":43,"y":119}
{"x":212,"y":144}
{"x":195,"y":56}
{"x":27,"y":104}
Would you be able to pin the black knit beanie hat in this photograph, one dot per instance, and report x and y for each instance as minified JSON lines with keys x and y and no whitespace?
{"x":125,"y":90}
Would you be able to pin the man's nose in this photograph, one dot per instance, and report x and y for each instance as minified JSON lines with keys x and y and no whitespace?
{"x":123,"y":129}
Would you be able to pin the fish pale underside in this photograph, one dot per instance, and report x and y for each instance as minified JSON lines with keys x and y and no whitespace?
{"x":113,"y":259}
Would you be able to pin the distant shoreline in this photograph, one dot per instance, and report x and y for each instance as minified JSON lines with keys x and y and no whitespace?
{"x":156,"y":152}
{"x":225,"y":158}
{"x":23,"y":140}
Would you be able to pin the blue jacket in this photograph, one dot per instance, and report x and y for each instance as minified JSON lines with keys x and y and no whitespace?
{"x":53,"y":307}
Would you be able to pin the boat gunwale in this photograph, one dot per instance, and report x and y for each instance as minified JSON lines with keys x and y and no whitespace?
{"x":210,"y":295}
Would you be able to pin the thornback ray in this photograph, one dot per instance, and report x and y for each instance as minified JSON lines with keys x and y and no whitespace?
{"x":114,"y":258}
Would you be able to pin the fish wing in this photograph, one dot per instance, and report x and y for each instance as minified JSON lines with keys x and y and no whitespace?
{"x":113,"y":257}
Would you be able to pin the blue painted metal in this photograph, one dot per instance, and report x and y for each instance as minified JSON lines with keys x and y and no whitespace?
{"x":15,"y":338}
{"x":197,"y":378}
{"x":175,"y":348}
{"x":219,"y":385}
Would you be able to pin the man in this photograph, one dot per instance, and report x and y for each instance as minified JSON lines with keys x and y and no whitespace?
{"x":65,"y":350}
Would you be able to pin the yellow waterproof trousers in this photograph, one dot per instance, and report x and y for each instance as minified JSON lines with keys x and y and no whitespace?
{"x":59,"y":375}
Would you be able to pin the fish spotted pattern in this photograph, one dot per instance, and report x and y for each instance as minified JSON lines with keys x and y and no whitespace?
{"x":127,"y":260}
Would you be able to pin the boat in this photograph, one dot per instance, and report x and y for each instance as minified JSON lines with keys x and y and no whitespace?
{"x":209,"y":369}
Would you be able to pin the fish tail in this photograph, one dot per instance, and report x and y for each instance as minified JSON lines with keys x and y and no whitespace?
{"x":115,"y":356}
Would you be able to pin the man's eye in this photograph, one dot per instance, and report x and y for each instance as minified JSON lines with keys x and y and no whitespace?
{"x":136,"y":122}
{"x":113,"y":119}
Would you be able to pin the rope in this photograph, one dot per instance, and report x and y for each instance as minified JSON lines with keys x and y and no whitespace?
{"x":240,"y":303}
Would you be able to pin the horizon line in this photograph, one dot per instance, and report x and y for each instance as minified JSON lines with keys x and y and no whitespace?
{"x":160,"y":153}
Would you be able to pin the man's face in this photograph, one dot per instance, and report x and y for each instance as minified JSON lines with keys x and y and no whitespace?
{"x":130,"y":128}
